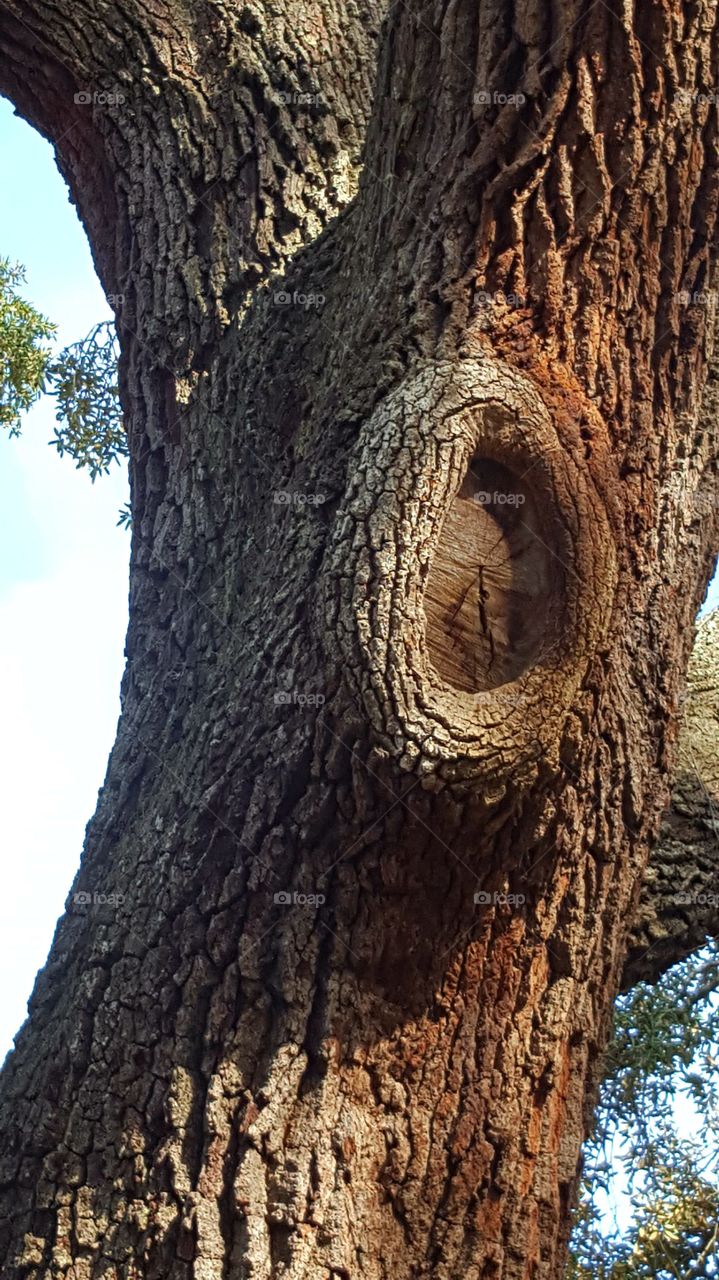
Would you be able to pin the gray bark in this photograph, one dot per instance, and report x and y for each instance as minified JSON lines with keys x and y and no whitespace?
{"x":394,"y":1080}
{"x":679,"y":903}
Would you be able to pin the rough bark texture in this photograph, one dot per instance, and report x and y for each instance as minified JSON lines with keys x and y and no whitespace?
{"x":389,"y":1074}
{"x":679,"y":903}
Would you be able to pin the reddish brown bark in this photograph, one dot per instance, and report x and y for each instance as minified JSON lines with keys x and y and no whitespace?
{"x":392,"y":1075}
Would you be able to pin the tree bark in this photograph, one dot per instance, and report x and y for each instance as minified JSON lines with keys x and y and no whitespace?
{"x":679,"y":902}
{"x":421,"y":523}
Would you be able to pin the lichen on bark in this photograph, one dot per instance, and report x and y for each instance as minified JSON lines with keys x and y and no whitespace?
{"x":346,"y":1017}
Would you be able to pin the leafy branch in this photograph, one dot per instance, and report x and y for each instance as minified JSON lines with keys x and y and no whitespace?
{"x":24,"y":356}
{"x":83,"y":380}
{"x":661,"y":1068}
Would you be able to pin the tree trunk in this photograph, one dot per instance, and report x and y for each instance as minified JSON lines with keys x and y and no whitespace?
{"x":679,"y":904}
{"x":424,"y":504}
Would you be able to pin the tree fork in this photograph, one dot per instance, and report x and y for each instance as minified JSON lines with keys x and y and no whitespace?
{"x":391,"y":1074}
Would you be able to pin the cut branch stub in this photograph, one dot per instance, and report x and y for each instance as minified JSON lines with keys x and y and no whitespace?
{"x":491,"y":581}
{"x":471,"y":575}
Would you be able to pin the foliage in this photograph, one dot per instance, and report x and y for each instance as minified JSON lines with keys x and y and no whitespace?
{"x":82,"y":378}
{"x":84,"y":381}
{"x":125,"y":516}
{"x":661,"y":1073}
{"x":23,"y":354}
{"x":666,"y":1037}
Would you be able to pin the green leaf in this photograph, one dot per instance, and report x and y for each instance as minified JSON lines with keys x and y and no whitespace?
{"x":23,"y":356}
{"x":83,"y":379}
{"x":665,"y":1047}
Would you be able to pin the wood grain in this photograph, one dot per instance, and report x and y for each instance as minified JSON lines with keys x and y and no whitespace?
{"x":489,"y":583}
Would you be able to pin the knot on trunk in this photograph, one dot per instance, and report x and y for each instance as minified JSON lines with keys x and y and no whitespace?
{"x":471,"y":574}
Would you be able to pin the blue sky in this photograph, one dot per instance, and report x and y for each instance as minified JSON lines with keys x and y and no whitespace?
{"x":63,"y":594}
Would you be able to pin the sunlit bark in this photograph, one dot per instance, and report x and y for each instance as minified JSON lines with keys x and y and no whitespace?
{"x":453,"y":770}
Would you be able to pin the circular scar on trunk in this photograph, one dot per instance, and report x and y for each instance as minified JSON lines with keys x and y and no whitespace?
{"x":490,"y":582}
{"x":470,"y":575}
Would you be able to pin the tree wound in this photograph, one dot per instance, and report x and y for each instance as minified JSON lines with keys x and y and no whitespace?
{"x":490,"y":583}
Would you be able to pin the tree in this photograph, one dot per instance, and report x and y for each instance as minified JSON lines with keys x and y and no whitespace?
{"x":665,"y":1043}
{"x":416,"y":321}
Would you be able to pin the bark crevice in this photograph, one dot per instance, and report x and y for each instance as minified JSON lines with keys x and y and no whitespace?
{"x":369,"y":921}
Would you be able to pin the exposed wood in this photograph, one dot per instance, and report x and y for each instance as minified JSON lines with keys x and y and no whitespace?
{"x":345,"y":1017}
{"x":491,"y":585}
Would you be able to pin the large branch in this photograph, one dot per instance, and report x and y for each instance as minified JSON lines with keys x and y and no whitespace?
{"x":204,"y":145}
{"x":679,"y":904}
